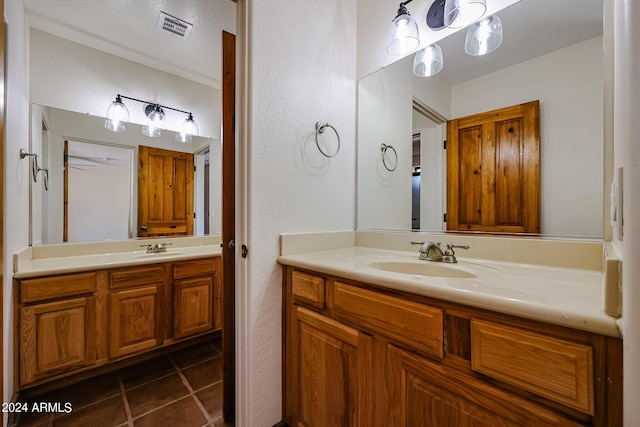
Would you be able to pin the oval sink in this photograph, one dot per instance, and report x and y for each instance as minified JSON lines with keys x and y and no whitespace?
{"x":423,"y":268}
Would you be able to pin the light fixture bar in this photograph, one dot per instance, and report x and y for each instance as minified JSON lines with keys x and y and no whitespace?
{"x":118,"y":115}
{"x":154,"y":103}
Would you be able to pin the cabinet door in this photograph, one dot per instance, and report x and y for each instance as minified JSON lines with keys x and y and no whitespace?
{"x":424,"y":393}
{"x":134,"y":320}
{"x":333,"y":371}
{"x":193,"y":306}
{"x":56,"y":337}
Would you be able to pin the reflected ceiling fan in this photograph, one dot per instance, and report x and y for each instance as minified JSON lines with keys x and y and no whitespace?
{"x":95,"y":159}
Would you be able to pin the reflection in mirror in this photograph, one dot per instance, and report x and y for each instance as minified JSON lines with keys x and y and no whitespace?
{"x":97,"y":192}
{"x":564,"y":71}
{"x":93,"y":189}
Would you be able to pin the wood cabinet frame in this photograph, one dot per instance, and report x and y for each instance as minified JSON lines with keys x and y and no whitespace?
{"x":99,"y":317}
{"x":454,"y":368}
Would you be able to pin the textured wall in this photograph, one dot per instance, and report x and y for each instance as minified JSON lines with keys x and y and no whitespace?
{"x":302,"y":69}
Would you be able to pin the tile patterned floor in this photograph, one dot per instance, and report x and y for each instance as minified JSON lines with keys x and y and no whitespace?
{"x":182,"y":389}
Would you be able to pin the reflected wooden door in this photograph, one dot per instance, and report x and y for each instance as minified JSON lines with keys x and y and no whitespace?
{"x":493,"y":170}
{"x":165,"y":192}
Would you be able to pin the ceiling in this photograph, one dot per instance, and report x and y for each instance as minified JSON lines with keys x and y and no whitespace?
{"x":129,"y":29}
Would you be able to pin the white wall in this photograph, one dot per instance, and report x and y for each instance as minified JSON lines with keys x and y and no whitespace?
{"x":75,"y":77}
{"x":16,"y":171}
{"x":99,"y":204}
{"x":568,"y":83}
{"x":301,"y":69}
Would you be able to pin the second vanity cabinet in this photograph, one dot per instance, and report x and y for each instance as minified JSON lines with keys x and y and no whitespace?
{"x":74,"y":322}
{"x":360,"y":355}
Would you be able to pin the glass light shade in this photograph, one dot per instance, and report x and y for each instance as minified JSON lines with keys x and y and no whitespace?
{"x":189,"y":127}
{"x":403,"y":34}
{"x":155,"y":121}
{"x":428,"y":61}
{"x":151,"y":131}
{"x":117,"y":116}
{"x":461,"y":13}
{"x":484,"y":36}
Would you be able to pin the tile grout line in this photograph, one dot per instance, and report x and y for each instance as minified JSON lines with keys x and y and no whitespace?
{"x":193,"y":393}
{"x":123,"y":394}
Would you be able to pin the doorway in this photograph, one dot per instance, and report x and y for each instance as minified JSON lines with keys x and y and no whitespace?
{"x":428,"y":168}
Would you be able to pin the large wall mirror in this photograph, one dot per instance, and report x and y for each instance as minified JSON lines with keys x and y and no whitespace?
{"x":552,"y":52}
{"x":78,"y":63}
{"x":92,"y":188}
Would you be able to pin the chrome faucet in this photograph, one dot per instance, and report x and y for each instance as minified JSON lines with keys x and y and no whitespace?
{"x":430,"y":251}
{"x":157,"y":248}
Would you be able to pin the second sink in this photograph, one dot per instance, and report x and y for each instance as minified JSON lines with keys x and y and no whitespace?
{"x":463,"y":270}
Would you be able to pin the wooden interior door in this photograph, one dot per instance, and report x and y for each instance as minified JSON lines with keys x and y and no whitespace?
{"x":493,"y":170}
{"x":165,"y":192}
{"x":228,"y":224}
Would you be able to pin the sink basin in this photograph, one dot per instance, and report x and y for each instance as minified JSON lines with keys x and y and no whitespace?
{"x":461,"y":270}
{"x":158,"y":255}
{"x":422,"y":269}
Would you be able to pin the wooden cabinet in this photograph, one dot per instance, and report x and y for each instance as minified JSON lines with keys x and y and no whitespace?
{"x":57,"y":326}
{"x":135,"y":309}
{"x":356,"y":353}
{"x":134,"y":317}
{"x":56,"y":337}
{"x":425,"y":393}
{"x":197,"y":299}
{"x":75,"y":322}
{"x":333,"y":364}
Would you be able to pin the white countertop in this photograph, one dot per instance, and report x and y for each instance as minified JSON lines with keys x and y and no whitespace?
{"x":70,"y":258}
{"x":570,"y":297}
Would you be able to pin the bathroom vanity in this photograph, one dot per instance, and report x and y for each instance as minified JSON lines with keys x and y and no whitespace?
{"x":77,"y":313}
{"x":368,"y":347}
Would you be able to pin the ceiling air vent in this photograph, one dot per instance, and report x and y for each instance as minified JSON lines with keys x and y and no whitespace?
{"x":173,"y":25}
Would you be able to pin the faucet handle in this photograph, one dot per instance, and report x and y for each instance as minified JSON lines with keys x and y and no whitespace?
{"x":450,"y":247}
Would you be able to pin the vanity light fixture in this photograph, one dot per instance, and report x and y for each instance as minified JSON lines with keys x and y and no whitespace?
{"x":428,"y":61}
{"x":484,"y":36}
{"x":403,"y":34}
{"x":118,"y":115}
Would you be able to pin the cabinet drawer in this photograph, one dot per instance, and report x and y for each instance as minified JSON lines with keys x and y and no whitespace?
{"x":553,"y":368}
{"x":134,"y":276}
{"x":47,"y":288}
{"x":414,"y":324}
{"x":308,"y":289}
{"x":193,"y":268}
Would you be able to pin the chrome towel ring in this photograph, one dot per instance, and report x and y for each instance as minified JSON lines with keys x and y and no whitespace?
{"x":34,"y":164}
{"x":35,"y":168}
{"x":320,"y":128}
{"x":383,"y":149}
